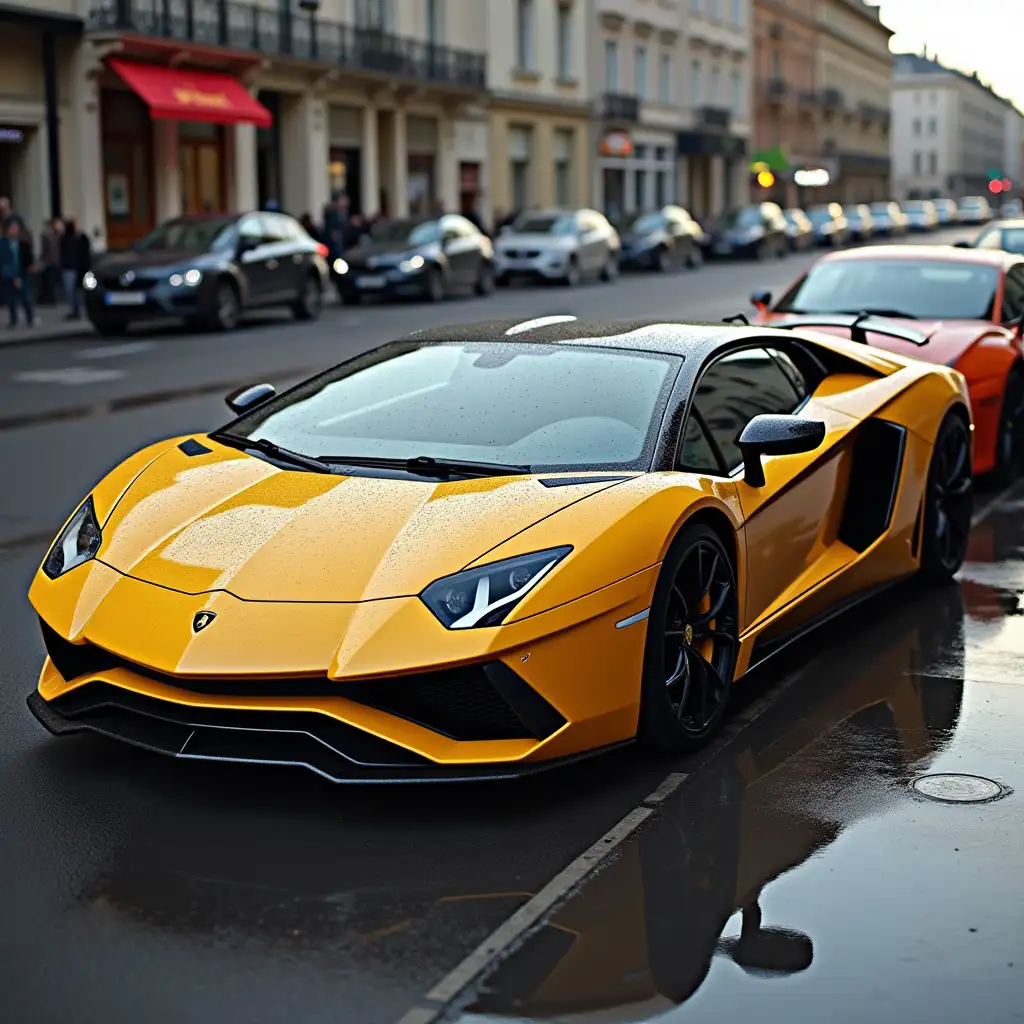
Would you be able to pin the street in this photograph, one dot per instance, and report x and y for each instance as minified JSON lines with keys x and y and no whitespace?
{"x":140,"y":888}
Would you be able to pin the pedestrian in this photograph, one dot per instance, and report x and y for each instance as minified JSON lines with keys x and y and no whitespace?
{"x":17,"y":265}
{"x":306,"y":220}
{"x":50,"y":258}
{"x":7,"y":214}
{"x":336,"y":224}
{"x":353,"y":232}
{"x":75,"y":260}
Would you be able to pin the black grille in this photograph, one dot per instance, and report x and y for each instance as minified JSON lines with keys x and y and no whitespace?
{"x":462,"y":703}
{"x":140,"y":282}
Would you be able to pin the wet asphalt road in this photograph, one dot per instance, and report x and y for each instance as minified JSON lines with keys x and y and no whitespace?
{"x":140,"y":889}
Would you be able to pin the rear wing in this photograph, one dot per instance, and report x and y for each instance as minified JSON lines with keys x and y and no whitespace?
{"x":858,"y":325}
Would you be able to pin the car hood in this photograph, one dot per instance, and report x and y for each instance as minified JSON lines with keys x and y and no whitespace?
{"x":233,"y":522}
{"x":365,"y":249}
{"x":158,"y":258}
{"x":531,"y":240}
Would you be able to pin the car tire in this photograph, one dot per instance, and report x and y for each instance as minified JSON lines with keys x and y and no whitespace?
{"x":227,"y":307}
{"x":502,"y":280}
{"x":1010,"y":440}
{"x":610,"y":270}
{"x":435,"y":290}
{"x":663,"y":260}
{"x":485,"y":279}
{"x":695,"y":259}
{"x":310,"y":303}
{"x":110,"y":328}
{"x":686,"y":680}
{"x":572,"y":274}
{"x":948,"y":502}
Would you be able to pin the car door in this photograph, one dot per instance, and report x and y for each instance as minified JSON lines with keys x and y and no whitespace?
{"x":787,"y":521}
{"x":461,"y":250}
{"x":253,"y":257}
{"x":593,"y":246}
{"x":298,"y":251}
{"x":282,"y":273}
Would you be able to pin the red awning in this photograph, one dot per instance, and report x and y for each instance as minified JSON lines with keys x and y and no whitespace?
{"x":179,"y":95}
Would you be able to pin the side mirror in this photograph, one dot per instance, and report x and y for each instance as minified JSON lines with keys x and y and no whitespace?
{"x":248,"y":398}
{"x":761,"y":299}
{"x":776,"y":435}
{"x":963,"y":245}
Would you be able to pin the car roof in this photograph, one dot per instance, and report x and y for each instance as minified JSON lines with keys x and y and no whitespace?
{"x":938,"y":253}
{"x":1009,"y":222}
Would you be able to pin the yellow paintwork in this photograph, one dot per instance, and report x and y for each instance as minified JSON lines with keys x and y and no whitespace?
{"x":319,"y":575}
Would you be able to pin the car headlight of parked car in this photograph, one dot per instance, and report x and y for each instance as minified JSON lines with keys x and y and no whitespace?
{"x":484,"y":596}
{"x":78,"y":542}
{"x":340,"y":266}
{"x":190,"y":279}
{"x":89,"y":282}
{"x":411,"y":265}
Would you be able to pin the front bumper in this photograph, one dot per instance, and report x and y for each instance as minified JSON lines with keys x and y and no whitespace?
{"x":547,"y":266}
{"x":640,"y":259}
{"x":157,"y":302}
{"x":387,"y":282}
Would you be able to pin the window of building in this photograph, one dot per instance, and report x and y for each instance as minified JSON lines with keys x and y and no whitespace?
{"x":696,"y":83}
{"x":713,"y":8}
{"x":917,"y":126}
{"x":564,"y":29}
{"x":665,"y":78}
{"x":933,"y":162}
{"x":563,"y":166}
{"x":611,"y":65}
{"x":776,"y":64}
{"x":917,"y":98}
{"x":375,"y":14}
{"x":933,"y":125}
{"x":520,"y":150}
{"x":716,"y":82}
{"x":917,"y":163}
{"x":695,"y":6}
{"x":737,"y":12}
{"x":524,"y":34}
{"x":641,"y":72}
{"x":435,"y":22}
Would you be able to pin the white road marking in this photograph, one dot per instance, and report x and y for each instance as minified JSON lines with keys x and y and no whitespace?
{"x":69,"y":376}
{"x":130,"y":348}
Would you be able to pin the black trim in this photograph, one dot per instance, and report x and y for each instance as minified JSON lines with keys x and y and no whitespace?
{"x":261,"y":737}
{"x":539,"y":717}
{"x":878,"y":451}
{"x":915,"y":540}
{"x":192,"y":447}
{"x":858,"y":325}
{"x":571,"y":481}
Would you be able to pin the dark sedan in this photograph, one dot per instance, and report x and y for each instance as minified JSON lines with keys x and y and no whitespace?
{"x":418,"y":258}
{"x":759,"y":231}
{"x":830,"y":225}
{"x":207,"y":269}
{"x":661,"y":240}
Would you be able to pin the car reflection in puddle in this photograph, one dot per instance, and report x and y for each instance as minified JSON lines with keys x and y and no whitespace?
{"x":865,"y":716}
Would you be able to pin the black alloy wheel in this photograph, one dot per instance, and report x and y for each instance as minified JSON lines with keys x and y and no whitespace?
{"x":435,"y":285}
{"x":663,"y":260}
{"x":692,"y":644}
{"x":310,"y":302}
{"x":1010,"y":442}
{"x":226,"y":307}
{"x":610,"y":270}
{"x":948,"y":502}
{"x":485,"y":279}
{"x":695,"y":257}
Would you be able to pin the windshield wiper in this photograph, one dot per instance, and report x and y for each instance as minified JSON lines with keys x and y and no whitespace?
{"x":870,"y":311}
{"x":430,"y":466}
{"x":275,"y":451}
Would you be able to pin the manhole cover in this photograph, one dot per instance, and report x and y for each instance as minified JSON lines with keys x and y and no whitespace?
{"x":958,"y":789}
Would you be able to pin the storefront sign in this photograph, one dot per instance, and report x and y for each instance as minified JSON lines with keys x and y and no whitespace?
{"x":617,"y":144}
{"x":190,"y":97}
{"x":812,"y":177}
{"x":11,"y":135}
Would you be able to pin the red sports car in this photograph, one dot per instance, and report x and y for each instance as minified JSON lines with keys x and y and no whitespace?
{"x":960,"y":307}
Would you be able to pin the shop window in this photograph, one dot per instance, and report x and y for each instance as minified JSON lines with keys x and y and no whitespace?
{"x":563,"y":167}
{"x":661,"y":189}
{"x":520,"y":147}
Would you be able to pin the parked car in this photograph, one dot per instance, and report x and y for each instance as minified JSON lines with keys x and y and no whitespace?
{"x":921,"y":214}
{"x":861,"y":222}
{"x":799,"y":230}
{"x":207,"y":269}
{"x":419,"y":257}
{"x":661,"y":239}
{"x":889,"y":219}
{"x":1007,"y":235}
{"x":830,"y":224}
{"x":975,"y":210}
{"x":947,"y":210}
{"x":758,"y":231}
{"x":558,"y":245}
{"x":1011,"y":209}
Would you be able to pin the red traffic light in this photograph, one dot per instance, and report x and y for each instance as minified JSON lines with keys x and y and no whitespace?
{"x":1007,"y":184}
{"x":995,"y":187}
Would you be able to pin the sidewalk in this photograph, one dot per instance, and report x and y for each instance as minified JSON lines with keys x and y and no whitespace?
{"x":52,"y":325}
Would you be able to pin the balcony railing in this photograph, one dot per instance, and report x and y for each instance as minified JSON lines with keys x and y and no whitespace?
{"x":713,"y":117}
{"x":247,"y":26}
{"x":777,"y":90}
{"x":809,"y":99}
{"x":620,"y":106}
{"x":832,"y":99}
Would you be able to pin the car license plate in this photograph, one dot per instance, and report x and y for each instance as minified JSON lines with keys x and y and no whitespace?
{"x":370,"y":282}
{"x":125,"y":298}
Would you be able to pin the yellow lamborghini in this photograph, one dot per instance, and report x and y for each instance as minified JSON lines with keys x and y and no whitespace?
{"x":484,"y":550}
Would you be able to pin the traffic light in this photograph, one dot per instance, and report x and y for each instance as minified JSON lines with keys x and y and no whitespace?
{"x":765,"y":179}
{"x":995,"y":186}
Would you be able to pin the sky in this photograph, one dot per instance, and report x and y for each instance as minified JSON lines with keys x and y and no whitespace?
{"x":986,"y":36}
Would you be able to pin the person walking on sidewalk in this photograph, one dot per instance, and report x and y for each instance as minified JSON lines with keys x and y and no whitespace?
{"x":49,"y":251}
{"x":75,"y":260}
{"x":17,"y":265}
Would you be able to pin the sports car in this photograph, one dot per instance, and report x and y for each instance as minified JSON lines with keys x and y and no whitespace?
{"x":485,"y":550}
{"x":957,"y":307}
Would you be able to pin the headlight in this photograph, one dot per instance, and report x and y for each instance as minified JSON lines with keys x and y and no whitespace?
{"x":340,"y":266}
{"x":193,"y":277}
{"x":78,"y":542}
{"x":484,"y":596}
{"x":411,"y":265}
{"x":175,"y":280}
{"x":89,"y":282}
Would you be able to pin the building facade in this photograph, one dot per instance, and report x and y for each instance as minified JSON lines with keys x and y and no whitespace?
{"x":854,"y":83}
{"x":952,"y":134}
{"x":714,"y":143}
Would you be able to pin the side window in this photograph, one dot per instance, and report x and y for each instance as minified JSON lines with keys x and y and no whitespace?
{"x":735,"y":389}
{"x":990,"y":240}
{"x":789,"y":368}
{"x":276,"y":228}
{"x":251,"y":228}
{"x":1013,"y":294}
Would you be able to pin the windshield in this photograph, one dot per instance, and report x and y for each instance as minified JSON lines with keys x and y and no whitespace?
{"x":541,"y":406}
{"x":186,"y":235}
{"x":915,"y":206}
{"x":545,"y":224}
{"x":1012,"y":240}
{"x":414,"y":232}
{"x":644,"y":223}
{"x":748,"y":217}
{"x":973,"y":202}
{"x":880,"y":209}
{"x":820,"y":214}
{"x":925,"y":289}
